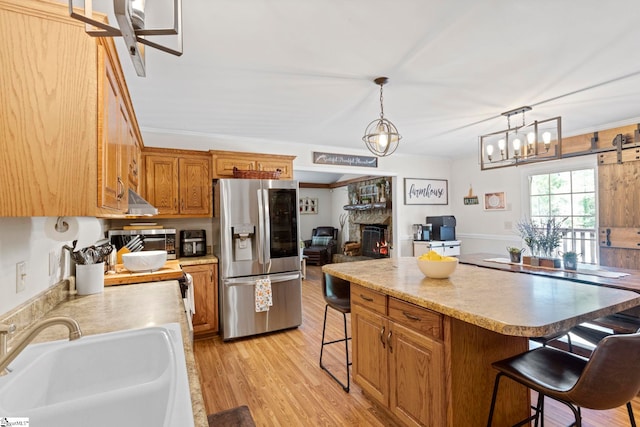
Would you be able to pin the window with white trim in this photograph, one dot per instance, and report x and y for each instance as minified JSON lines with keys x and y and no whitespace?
{"x":570,"y":198}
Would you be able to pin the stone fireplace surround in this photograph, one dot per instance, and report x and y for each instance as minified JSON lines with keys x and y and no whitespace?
{"x":359,"y":219}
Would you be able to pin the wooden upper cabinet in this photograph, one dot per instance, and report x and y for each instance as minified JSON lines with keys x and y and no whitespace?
{"x":67,"y":116}
{"x":178,"y":182}
{"x":48,"y":121}
{"x":195,"y":186}
{"x":225,"y":161}
{"x":161,"y":178}
{"x":115,"y":143}
{"x":118,"y":138}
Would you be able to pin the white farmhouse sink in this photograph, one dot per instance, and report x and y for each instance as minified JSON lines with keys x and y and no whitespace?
{"x":129,"y":378}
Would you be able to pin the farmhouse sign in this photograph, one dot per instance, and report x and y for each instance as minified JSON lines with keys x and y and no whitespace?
{"x":425,"y":191}
{"x":345,"y":160}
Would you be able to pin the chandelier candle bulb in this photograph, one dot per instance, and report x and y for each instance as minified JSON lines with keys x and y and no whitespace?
{"x":546,"y":138}
{"x":516,"y":147}
{"x":489,"y":151}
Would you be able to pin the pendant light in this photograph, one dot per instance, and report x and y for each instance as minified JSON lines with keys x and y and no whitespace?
{"x":381,"y":136}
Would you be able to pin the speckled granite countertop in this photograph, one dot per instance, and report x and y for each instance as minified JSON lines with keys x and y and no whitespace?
{"x":507,"y":303}
{"x":132,"y":307}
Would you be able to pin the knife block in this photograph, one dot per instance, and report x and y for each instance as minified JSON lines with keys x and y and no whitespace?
{"x":121,"y":251}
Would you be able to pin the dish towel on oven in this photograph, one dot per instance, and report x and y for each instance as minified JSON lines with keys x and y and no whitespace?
{"x":263,"y":295}
{"x":191,"y":299}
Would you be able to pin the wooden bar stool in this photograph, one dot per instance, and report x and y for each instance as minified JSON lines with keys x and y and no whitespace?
{"x":610,"y":378}
{"x":337,"y":294}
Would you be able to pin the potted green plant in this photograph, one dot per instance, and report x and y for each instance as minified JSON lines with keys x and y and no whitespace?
{"x":570,"y":260}
{"x":543,"y":240}
{"x":515,"y":253}
{"x":529,"y":234}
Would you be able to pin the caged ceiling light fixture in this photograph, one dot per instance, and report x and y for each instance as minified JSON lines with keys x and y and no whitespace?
{"x":130,"y":16}
{"x":381,"y":136}
{"x":521,"y":144}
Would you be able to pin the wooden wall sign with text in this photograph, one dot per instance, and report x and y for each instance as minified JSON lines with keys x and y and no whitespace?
{"x":345,"y":160}
{"x":425,"y":191}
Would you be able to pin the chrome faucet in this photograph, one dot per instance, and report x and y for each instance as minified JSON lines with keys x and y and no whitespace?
{"x":6,"y":357}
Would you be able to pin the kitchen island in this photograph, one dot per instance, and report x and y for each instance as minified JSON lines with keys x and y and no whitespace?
{"x":423,"y":347}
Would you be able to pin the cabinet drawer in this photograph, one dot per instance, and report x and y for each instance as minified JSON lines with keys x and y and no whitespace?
{"x":368,"y":298}
{"x":417,"y":318}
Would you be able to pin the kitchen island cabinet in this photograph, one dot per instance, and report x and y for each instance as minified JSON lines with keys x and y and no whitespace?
{"x":407,"y":340}
{"x":487,"y":315}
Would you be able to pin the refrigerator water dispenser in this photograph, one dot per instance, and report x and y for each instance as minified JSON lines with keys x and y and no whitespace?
{"x":243,"y":235}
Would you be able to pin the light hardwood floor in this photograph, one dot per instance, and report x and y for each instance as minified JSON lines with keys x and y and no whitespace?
{"x":278,"y":377}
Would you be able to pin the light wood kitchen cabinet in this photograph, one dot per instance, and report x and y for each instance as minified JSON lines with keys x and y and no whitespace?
{"x":225,"y":161}
{"x":205,"y":282}
{"x":118,"y":146}
{"x":65,"y":107}
{"x":398,"y":356}
{"x":178,"y":183}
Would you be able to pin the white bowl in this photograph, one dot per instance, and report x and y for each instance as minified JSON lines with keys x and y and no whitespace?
{"x":438,"y":269}
{"x":144,"y":260}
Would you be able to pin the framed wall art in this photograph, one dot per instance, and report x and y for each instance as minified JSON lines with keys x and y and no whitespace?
{"x":495,"y":201}
{"x":308,"y":205}
{"x":419,"y":191}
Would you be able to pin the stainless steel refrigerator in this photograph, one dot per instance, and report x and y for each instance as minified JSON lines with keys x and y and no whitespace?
{"x":256,"y":236}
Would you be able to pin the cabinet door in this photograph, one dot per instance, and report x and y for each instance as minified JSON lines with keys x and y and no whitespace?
{"x":195,"y":186}
{"x":133,"y":161}
{"x":161,"y":180}
{"x":110,"y":187}
{"x":416,"y":383}
{"x":420,"y":248}
{"x":370,"y":371}
{"x":205,"y":281}
{"x":225,"y":165}
{"x":273,"y":165}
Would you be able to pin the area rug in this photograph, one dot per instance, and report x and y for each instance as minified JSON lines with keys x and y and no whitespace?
{"x":235,"y":417}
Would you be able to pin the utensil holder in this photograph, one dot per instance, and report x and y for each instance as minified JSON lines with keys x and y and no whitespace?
{"x":90,"y":278}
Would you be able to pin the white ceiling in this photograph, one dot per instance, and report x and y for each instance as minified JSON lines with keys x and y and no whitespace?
{"x":302,"y":71}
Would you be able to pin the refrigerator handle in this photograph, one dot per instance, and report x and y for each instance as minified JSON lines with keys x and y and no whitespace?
{"x":260,"y":230}
{"x":267,"y":229}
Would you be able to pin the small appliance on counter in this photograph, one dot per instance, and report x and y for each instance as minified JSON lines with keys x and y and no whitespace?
{"x":421,"y":232}
{"x":193,"y":243}
{"x":152,"y":239}
{"x":443,"y":227}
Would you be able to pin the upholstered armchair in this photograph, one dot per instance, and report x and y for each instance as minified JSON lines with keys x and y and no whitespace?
{"x":322,"y":246}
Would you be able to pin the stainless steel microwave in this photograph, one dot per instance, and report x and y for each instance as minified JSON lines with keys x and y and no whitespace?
{"x":156,"y":239}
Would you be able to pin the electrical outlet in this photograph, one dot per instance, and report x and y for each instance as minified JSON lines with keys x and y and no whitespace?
{"x":21,"y":274}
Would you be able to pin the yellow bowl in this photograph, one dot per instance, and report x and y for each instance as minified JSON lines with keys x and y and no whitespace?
{"x":438,"y":269}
